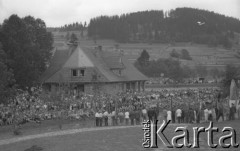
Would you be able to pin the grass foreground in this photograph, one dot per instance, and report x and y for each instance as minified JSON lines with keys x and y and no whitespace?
{"x":114,"y":139}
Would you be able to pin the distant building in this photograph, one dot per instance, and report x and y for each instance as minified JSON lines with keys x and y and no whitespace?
{"x":77,"y":70}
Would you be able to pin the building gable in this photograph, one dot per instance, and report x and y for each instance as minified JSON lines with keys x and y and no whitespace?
{"x":78,"y":60}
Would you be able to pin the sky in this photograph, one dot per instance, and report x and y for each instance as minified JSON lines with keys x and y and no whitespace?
{"x":57,"y":13}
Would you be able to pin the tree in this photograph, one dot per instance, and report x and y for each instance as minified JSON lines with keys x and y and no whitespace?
{"x":73,"y":38}
{"x":174,"y":54}
{"x":143,"y":60}
{"x":28,"y":45}
{"x":227,"y":43}
{"x":179,"y":25}
{"x":7,"y":78}
{"x":185,"y":55}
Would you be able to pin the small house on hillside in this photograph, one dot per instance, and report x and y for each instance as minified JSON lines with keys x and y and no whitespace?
{"x":77,"y":70}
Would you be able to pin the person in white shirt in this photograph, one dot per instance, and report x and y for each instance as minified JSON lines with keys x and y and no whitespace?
{"x":126,"y":117}
{"x":144,"y":114}
{"x":179,"y":115}
{"x":97,"y":118}
{"x":105,"y":115}
{"x":210,"y":116}
{"x":169,"y":115}
{"x":206,"y":115}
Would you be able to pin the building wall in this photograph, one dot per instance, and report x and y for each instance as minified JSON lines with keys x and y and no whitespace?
{"x":110,"y":88}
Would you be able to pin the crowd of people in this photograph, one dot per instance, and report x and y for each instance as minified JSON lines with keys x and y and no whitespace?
{"x":128,"y":108}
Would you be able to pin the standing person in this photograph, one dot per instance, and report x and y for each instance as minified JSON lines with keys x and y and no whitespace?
{"x":105,"y":115}
{"x":110,"y":119}
{"x":183,"y":116}
{"x":169,"y":116}
{"x":144,"y":114}
{"x":97,"y":118}
{"x":100,"y":114}
{"x":121,"y":116}
{"x":150,"y":114}
{"x":137,"y":116}
{"x":155,"y":113}
{"x":173,"y":116}
{"x":195,"y":116}
{"x":206,"y":115}
{"x":165,"y":114}
{"x":113,"y":117}
{"x":210,"y":115}
{"x":191,"y":115}
{"x":126,"y":117}
{"x":179,"y":115}
{"x":132,"y":117}
{"x":220,"y":112}
{"x":232,"y":112}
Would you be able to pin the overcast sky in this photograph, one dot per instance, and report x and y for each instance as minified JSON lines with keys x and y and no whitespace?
{"x":60,"y":12}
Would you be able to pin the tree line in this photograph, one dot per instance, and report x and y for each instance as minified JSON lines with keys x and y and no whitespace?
{"x":172,"y":68}
{"x":25,"y":51}
{"x":76,"y":26}
{"x":179,"y":25}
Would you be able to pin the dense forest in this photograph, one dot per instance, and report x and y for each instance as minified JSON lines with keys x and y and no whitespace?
{"x":179,"y":25}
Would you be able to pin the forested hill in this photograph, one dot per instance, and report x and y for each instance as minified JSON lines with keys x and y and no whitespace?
{"x":179,"y":25}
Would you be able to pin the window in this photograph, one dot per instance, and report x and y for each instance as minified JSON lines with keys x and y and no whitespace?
{"x":74,"y":73}
{"x":117,"y":72}
{"x":82,"y":72}
{"x":78,"y":72}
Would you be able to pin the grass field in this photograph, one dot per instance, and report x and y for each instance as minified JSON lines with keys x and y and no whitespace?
{"x":117,"y":139}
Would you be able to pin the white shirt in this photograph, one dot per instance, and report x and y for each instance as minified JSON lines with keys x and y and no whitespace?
{"x":209,"y":111}
{"x":169,"y":115}
{"x":179,"y":112}
{"x":96,"y":114}
{"x":206,"y":111}
{"x":113,"y":113}
{"x":144,"y":111}
{"x":105,"y":113}
{"x":126,"y":114}
{"x":100,"y":115}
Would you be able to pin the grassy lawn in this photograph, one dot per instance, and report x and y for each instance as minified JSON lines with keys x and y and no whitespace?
{"x":124,"y":139}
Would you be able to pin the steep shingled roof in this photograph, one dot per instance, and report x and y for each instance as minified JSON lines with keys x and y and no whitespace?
{"x":56,"y":63}
{"x":103,"y":63}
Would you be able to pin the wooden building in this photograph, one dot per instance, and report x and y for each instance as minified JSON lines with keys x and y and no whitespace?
{"x":77,"y":69}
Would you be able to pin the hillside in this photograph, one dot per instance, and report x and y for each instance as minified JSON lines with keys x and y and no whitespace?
{"x":179,"y":25}
{"x":211,"y":39}
{"x":211,"y":57}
